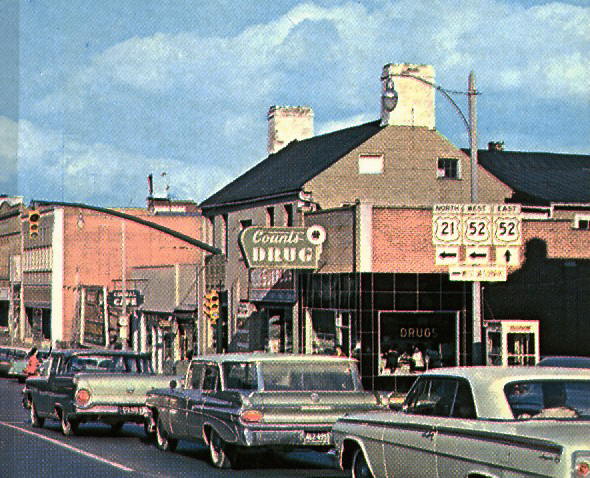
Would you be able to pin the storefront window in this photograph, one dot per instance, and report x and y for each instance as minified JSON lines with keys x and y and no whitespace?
{"x":333,"y":332}
{"x":414,"y":342}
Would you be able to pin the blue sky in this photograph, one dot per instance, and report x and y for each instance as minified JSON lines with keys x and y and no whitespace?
{"x":110,"y":91}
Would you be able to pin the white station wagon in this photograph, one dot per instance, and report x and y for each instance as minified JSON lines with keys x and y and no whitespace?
{"x":476,"y":422}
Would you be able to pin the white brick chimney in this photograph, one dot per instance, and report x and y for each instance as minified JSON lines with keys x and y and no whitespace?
{"x":415,"y":98}
{"x":287,"y":123}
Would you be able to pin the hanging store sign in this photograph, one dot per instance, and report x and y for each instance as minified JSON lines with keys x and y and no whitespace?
{"x":272,"y":285}
{"x":282,"y":247}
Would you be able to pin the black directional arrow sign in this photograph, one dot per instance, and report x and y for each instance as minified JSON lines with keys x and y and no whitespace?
{"x":476,"y":255}
{"x":445,"y":254}
{"x":507,"y":255}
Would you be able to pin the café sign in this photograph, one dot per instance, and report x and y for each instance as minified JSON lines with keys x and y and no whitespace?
{"x":132,"y":297}
{"x":282,"y":247}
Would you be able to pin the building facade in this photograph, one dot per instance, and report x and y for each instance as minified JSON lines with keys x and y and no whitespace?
{"x":75,"y":284}
{"x":373,"y":188}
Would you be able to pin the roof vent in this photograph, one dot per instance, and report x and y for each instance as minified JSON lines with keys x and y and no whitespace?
{"x":496,"y":146}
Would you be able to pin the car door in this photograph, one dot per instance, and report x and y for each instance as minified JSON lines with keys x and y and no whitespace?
{"x":459,"y":448}
{"x":40,"y":387}
{"x":61,"y":384}
{"x":409,"y":439}
{"x":194,"y":400}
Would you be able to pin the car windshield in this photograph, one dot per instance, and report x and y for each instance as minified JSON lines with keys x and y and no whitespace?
{"x":321,"y":376}
{"x":549,"y":399}
{"x":102,"y":363}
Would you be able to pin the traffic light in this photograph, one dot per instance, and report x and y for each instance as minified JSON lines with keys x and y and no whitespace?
{"x":211,"y":306}
{"x":34,"y":217}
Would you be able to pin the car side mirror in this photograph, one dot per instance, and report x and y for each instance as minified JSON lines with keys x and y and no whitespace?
{"x":173,"y":384}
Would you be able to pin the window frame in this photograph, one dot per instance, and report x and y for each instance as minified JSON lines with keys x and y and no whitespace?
{"x":371,"y":168}
{"x":448,"y":168}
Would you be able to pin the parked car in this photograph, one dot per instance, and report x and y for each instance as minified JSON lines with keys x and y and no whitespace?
{"x":78,"y":386}
{"x":564,"y":361}
{"x":17,"y":369}
{"x":238,"y":402}
{"x":476,"y":422}
{"x":8,"y":355}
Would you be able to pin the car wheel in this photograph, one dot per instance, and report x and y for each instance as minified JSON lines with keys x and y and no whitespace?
{"x":360,"y":468}
{"x":36,"y":420}
{"x":163,"y":442}
{"x":68,"y":427}
{"x":218,"y":451}
{"x":149,"y":428}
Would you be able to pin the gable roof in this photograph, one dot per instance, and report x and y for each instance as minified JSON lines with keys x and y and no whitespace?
{"x":541,"y":177}
{"x":290,"y":168}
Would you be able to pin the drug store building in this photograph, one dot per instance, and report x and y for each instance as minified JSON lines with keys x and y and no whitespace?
{"x":372,"y":188}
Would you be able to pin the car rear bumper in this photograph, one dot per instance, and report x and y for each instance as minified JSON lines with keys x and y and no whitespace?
{"x":309,"y":436}
{"x":129,"y":413}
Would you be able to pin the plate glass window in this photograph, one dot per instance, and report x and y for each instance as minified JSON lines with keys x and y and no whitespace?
{"x":448,"y":168}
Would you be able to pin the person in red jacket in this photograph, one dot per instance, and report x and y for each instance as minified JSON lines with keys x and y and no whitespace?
{"x":33,"y":363}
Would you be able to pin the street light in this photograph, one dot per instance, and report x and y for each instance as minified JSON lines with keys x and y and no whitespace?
{"x":389,"y":99}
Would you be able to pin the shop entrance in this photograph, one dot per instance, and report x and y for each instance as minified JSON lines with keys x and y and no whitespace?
{"x":512,"y":342}
{"x":329,"y":329}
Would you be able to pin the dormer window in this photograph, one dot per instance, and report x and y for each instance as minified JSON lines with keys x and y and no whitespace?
{"x":448,"y":168}
{"x":371,"y":164}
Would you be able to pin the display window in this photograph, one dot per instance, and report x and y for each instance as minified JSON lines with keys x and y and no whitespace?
{"x":413,"y":342}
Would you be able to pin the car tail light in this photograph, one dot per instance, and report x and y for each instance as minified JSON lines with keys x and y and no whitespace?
{"x":251,"y":416}
{"x":581,"y":465}
{"x":82,"y":397}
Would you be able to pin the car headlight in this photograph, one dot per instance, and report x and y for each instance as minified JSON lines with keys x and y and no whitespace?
{"x":581,"y":465}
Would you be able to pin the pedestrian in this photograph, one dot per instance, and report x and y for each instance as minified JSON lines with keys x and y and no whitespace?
{"x":417,"y":359}
{"x":33,"y":363}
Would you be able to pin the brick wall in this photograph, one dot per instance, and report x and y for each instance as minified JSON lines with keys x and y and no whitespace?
{"x":93,"y":251}
{"x":402,"y":240}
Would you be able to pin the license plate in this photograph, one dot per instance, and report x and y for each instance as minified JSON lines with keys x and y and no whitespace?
{"x":317,"y":438}
{"x":130,"y":410}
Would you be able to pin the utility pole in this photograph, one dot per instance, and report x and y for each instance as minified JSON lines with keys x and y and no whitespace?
{"x":123,"y":320}
{"x":476,"y":287}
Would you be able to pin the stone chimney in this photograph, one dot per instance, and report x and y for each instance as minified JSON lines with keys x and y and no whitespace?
{"x":407,"y":101}
{"x":287,"y":123}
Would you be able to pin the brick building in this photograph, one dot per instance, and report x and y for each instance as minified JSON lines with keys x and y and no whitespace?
{"x":79,"y":267}
{"x":11,"y":209}
{"x":372,"y":187}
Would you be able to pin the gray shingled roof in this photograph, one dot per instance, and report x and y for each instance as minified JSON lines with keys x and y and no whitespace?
{"x":290,"y":168}
{"x":541,"y":177}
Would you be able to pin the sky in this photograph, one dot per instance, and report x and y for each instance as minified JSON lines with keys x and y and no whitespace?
{"x":96,"y":95}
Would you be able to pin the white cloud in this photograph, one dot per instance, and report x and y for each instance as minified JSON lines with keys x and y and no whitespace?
{"x":216,"y":90}
{"x":56,"y":167}
{"x":510,"y":46}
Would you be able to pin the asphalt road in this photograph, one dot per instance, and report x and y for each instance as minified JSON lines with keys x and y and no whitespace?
{"x":97,"y":452}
